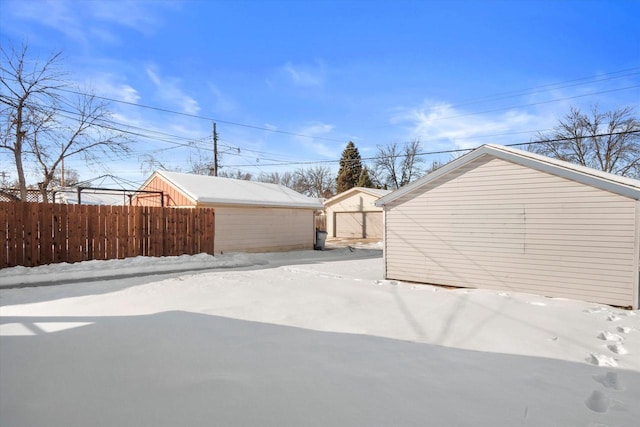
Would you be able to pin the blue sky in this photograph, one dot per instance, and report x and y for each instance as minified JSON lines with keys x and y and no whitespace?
{"x":453,"y":74}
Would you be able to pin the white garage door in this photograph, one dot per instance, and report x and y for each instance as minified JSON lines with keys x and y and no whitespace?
{"x":373,"y":224}
{"x":349,"y":224}
{"x":359,"y":224}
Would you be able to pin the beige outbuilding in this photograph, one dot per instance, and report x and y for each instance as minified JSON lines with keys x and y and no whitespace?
{"x":249,"y":216}
{"x":353,"y":213}
{"x":506,"y":219}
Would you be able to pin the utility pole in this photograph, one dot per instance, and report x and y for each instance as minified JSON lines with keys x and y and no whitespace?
{"x":215,"y":150}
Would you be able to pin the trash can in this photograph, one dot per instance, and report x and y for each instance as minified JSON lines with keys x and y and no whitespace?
{"x":321,"y":237}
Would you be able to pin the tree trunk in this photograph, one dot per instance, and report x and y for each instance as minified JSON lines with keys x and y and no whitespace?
{"x":17,"y":152}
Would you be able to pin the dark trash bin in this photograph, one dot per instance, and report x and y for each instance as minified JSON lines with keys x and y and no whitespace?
{"x":321,"y":238}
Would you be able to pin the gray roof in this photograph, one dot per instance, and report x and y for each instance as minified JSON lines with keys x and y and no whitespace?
{"x":227,"y":191}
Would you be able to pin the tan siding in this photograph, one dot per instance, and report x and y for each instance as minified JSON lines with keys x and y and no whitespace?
{"x":494,"y":224}
{"x":244,"y":229}
{"x":358,"y":202}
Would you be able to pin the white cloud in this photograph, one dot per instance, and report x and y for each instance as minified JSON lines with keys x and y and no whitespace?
{"x":299,"y":75}
{"x":318,"y":147}
{"x":440,"y":126}
{"x":221,"y":102}
{"x":168,"y":89}
{"x":86,"y":21}
{"x":111,"y":86}
{"x":134,"y":14}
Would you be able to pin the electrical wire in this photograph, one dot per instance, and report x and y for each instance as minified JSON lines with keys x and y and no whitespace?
{"x":454,"y":151}
{"x":504,"y":95}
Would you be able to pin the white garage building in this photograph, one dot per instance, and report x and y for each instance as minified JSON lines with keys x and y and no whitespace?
{"x":249,"y":216}
{"x":506,"y":219}
{"x":353,"y":213}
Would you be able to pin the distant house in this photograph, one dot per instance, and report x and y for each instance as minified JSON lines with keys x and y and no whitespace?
{"x":506,"y":219}
{"x":249,"y":216}
{"x":353,"y":213}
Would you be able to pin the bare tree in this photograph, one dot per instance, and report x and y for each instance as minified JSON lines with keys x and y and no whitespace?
{"x":201,"y":167}
{"x":235,"y":174}
{"x":41,"y":127}
{"x":435,"y":165}
{"x":315,"y":182}
{"x":286,"y":178}
{"x":396,"y":166}
{"x":71,"y":178}
{"x":608,"y":141}
{"x":82,"y":131}
{"x":26,"y":88}
{"x":149,"y":163}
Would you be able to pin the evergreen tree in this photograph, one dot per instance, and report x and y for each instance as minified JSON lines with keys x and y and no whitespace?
{"x":364,"y":180}
{"x":350,"y":168}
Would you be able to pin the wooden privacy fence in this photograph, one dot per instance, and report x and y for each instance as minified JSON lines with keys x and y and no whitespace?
{"x":45,"y":233}
{"x":321,"y":222}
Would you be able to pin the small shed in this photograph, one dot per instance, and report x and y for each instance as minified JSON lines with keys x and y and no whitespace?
{"x":353,"y":213}
{"x":505,"y":219}
{"x":250,"y":216}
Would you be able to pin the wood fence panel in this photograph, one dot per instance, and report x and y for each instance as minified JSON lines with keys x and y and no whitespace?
{"x":121,"y":233}
{"x":156,"y":224}
{"x":84,"y":232}
{"x":78,"y":226}
{"x":143,"y":236}
{"x":73,"y":237}
{"x":45,"y":254}
{"x":196,"y":224}
{"x":28,"y":223}
{"x":44,"y":233}
{"x":4,"y":247}
{"x":169,"y":241}
{"x":208,"y":230}
{"x":183,"y":233}
{"x":59,"y":230}
{"x":12,"y":255}
{"x":19,"y":234}
{"x":98,"y":229}
{"x":111,"y":233}
{"x":8,"y":213}
{"x":131,"y":232}
{"x":173,"y":226}
{"x":92,"y":216}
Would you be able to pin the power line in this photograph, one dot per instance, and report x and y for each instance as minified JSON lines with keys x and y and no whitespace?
{"x":551,"y":86}
{"x":528,"y":105}
{"x":430,"y":153}
{"x":195,"y":116}
{"x":286,"y":163}
{"x":192,"y":142}
{"x":504,"y":95}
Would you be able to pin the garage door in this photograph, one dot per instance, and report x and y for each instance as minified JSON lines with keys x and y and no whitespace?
{"x":359,"y":224}
{"x":373,"y":224}
{"x":349,"y":224}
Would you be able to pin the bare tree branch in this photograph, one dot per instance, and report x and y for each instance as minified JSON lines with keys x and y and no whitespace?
{"x":39,"y":130}
{"x":608,"y":141}
{"x":395,"y":167}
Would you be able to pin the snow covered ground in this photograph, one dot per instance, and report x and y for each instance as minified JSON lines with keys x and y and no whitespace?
{"x":302,"y":339}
